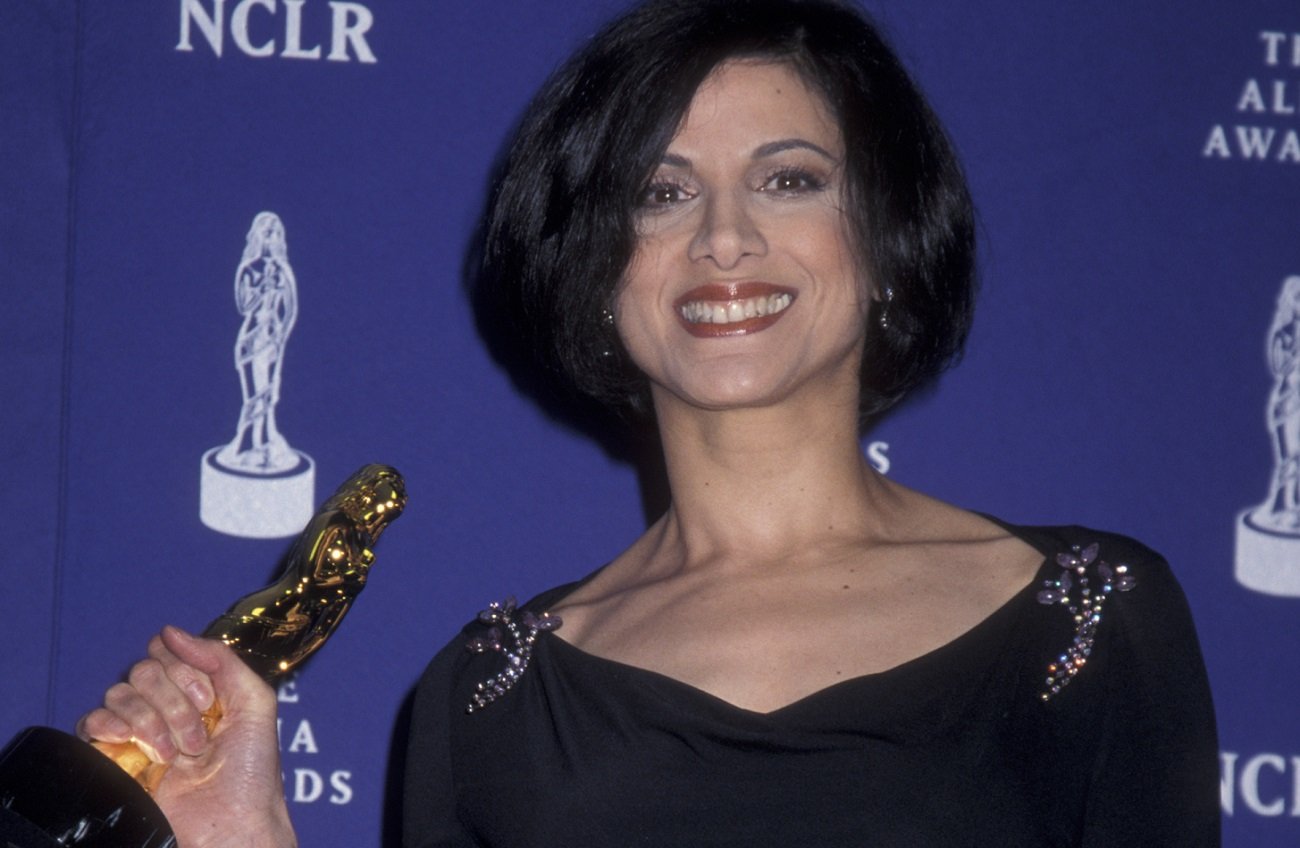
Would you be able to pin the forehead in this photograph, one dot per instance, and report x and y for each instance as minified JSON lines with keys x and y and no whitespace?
{"x":751,"y":102}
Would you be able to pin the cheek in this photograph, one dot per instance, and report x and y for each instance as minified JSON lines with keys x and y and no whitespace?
{"x":629,"y":324}
{"x":637,"y":295}
{"x":828,"y":248}
{"x":633,"y":321}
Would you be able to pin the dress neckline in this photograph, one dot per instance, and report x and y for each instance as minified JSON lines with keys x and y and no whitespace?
{"x":1003,"y":615}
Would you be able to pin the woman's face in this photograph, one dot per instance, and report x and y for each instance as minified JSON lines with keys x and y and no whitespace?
{"x":743,"y":290}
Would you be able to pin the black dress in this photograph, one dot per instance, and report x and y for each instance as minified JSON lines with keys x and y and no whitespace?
{"x":977,"y":743}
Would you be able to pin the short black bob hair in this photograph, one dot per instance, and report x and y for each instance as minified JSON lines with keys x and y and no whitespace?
{"x":560,"y":231}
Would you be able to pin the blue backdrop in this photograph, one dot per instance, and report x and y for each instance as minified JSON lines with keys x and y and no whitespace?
{"x":1137,"y":170}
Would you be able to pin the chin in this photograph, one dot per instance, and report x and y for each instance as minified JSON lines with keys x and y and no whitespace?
{"x":735,"y":392}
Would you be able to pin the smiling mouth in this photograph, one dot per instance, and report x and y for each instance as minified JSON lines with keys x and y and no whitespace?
{"x":732,"y":309}
{"x":704,"y":312}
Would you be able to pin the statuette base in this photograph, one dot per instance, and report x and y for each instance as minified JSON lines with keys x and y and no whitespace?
{"x":256,"y":506}
{"x":1267,"y":561}
{"x":57,"y":790}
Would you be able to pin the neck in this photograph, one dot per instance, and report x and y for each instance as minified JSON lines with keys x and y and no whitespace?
{"x":765,"y":485}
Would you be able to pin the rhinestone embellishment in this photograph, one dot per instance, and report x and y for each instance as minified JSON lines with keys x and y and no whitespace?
{"x":520,"y":632}
{"x":1083,"y":586}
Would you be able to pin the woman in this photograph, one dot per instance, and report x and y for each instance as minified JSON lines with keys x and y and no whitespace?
{"x":743,"y":217}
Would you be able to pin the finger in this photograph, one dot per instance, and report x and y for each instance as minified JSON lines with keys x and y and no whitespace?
{"x":142,"y":703}
{"x":178,"y":692}
{"x":103,"y":725}
{"x":193,"y":682}
{"x":235,"y":684}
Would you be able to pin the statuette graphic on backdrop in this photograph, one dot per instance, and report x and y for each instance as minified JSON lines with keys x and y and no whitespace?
{"x":257,"y":486}
{"x":1268,"y":536}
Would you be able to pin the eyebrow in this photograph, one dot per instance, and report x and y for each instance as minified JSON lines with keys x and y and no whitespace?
{"x":771,"y":148}
{"x":774,"y":147}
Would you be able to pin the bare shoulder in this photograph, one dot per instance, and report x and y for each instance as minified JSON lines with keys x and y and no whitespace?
{"x":607,"y":593}
{"x":983,"y":552}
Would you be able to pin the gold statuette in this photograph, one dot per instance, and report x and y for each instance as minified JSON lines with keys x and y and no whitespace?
{"x":279,"y":627}
{"x":274,"y":630}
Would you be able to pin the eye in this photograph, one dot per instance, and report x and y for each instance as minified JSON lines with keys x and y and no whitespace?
{"x":793,"y":181}
{"x":663,"y":193}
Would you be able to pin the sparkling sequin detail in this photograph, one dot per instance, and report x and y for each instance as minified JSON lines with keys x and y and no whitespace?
{"x":1083,"y":587}
{"x":511,"y":636}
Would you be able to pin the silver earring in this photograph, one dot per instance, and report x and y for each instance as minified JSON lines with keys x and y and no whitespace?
{"x":607,"y":332}
{"x":887,"y":297}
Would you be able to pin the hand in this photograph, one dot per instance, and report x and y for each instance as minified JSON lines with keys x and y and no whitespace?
{"x":223,"y":790}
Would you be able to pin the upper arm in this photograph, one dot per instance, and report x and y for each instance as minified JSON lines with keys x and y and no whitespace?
{"x":1155,"y":777}
{"x":429,"y":814}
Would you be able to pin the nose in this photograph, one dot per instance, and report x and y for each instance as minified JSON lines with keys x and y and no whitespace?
{"x":727,"y":232}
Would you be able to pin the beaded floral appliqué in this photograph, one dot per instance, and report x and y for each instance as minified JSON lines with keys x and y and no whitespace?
{"x":1083,"y":586}
{"x":521,"y":632}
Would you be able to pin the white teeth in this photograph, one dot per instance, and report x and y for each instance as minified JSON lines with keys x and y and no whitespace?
{"x":701,"y":312}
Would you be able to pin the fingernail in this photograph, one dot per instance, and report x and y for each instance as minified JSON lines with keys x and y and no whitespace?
{"x":176,"y":631}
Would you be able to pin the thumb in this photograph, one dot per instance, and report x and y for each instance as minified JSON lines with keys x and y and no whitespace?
{"x":232,"y":679}
{"x":207,"y":655}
